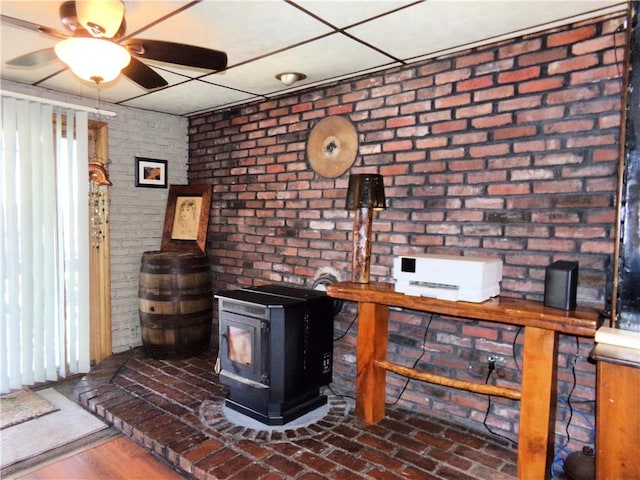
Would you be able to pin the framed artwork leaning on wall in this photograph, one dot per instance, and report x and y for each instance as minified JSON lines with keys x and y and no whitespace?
{"x":187,"y":218}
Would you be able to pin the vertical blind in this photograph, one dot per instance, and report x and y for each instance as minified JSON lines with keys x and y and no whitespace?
{"x":44,"y":243}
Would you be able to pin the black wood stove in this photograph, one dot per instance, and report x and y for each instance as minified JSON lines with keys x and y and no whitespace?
{"x":276,"y":350}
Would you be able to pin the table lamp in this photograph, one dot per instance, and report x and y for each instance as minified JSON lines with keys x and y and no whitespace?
{"x":365,"y":194}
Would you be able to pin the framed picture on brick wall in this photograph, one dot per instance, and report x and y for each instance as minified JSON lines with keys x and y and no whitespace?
{"x":187,"y":218}
{"x":151,"y":173}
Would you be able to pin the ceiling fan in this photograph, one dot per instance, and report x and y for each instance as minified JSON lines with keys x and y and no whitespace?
{"x":97,"y":49}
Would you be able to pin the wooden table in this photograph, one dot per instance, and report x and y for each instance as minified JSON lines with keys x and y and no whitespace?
{"x":541,"y":327}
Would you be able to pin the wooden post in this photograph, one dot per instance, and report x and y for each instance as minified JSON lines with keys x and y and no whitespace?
{"x":361,"y":255}
{"x":372,"y":346}
{"x":538,"y":395}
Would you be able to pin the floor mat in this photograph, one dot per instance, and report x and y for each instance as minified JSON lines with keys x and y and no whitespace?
{"x":71,"y":422}
{"x":22,"y":406}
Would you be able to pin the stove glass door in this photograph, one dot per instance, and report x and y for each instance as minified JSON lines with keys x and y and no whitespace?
{"x":243,"y":351}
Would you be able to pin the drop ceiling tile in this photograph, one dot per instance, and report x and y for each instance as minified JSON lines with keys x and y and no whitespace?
{"x":329,"y":57}
{"x":188,"y":97}
{"x":244,"y":30}
{"x":427,"y":27}
{"x":345,"y":13}
{"x":138,"y":14}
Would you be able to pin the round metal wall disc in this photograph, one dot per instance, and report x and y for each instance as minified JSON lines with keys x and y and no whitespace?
{"x":332,"y":146}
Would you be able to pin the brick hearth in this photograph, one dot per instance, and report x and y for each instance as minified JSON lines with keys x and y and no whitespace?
{"x":174,"y":409}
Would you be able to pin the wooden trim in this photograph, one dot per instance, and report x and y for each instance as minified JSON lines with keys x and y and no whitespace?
{"x":629,"y":81}
{"x":100,"y":261}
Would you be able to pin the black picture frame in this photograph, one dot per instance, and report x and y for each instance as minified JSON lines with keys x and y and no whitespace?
{"x":151,"y":173}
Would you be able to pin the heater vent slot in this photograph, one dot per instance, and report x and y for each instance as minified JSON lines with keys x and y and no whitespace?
{"x":244,"y":380}
{"x":251,"y":310}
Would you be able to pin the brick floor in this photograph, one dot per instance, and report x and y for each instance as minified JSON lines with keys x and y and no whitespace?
{"x":174,"y":409}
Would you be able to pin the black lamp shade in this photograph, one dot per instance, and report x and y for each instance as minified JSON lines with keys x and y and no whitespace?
{"x":366,"y":190}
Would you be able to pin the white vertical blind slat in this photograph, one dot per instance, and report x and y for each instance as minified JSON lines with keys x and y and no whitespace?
{"x":62,"y":213}
{"x":45,"y":243}
{"x":37,"y":258}
{"x":48,"y":245}
{"x":71,"y":269}
{"x":29,"y":155}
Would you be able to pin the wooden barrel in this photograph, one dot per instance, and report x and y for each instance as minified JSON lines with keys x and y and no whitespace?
{"x":175,"y":303}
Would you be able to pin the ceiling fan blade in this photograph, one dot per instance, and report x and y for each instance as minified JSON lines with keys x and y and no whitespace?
{"x":17,"y":22}
{"x":178,"y":53}
{"x":143,"y":75}
{"x":34,"y":59}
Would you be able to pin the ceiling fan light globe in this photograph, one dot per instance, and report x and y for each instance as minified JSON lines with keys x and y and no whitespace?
{"x":101,"y":18}
{"x":93,"y":59}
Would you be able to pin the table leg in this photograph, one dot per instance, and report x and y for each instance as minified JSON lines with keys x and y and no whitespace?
{"x":538,"y":373}
{"x":372,"y":346}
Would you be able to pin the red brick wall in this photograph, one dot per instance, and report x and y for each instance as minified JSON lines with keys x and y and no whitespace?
{"x":509,"y":150}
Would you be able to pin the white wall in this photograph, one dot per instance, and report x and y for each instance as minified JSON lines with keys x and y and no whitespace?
{"x":137,"y":214}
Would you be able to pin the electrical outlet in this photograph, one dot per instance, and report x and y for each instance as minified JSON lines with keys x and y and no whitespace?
{"x":499,"y":360}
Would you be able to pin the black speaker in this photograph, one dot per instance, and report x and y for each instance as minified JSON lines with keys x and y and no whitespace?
{"x":561,"y":285}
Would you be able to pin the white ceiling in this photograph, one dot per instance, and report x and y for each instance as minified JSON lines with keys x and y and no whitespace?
{"x":327,"y":40}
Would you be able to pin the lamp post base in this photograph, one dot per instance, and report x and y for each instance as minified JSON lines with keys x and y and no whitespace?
{"x":361,"y":256}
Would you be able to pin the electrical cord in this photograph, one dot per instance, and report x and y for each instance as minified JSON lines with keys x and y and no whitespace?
{"x":561,"y":452}
{"x":573,"y":387}
{"x":347,"y":330}
{"x":339,"y":395}
{"x":340,"y":337}
{"x":492,"y":367}
{"x":587,"y":420}
{"x":513,"y":348}
{"x":557,"y":465}
{"x":415,"y":364}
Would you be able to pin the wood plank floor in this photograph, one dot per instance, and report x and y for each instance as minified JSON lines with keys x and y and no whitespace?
{"x":118,"y":458}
